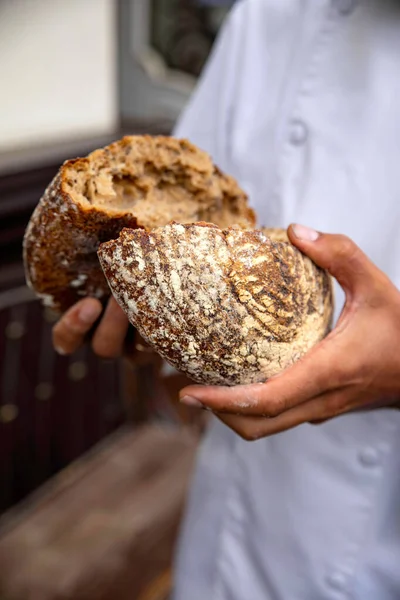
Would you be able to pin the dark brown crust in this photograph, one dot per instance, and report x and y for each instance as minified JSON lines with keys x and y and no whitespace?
{"x":225,"y":307}
{"x":62,"y":237}
{"x":60,"y":247}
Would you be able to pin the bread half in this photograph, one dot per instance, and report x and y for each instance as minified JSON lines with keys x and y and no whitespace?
{"x":138,"y":181}
{"x":224,"y":306}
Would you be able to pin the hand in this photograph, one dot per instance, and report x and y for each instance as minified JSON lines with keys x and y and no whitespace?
{"x":109,"y":336}
{"x":356,"y":367}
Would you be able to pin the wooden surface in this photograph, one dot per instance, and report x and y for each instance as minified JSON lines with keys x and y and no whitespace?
{"x":105,"y":528}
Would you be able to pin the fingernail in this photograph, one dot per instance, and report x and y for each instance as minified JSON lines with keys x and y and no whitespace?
{"x":60,"y":351}
{"x":89,"y":313}
{"x":305,"y":233}
{"x":190,"y":401}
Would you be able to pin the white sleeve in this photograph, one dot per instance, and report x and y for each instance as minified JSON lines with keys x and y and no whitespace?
{"x":207,"y":117}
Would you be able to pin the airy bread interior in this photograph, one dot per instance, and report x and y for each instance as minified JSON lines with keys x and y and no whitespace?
{"x":159,"y":179}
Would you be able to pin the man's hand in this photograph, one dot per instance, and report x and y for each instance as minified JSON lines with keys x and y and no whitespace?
{"x":356,"y":367}
{"x":108,"y":339}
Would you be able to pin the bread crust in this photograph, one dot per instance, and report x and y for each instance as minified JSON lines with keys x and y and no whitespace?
{"x":224,"y":306}
{"x":138,"y":181}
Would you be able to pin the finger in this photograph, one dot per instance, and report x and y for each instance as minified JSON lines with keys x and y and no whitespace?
{"x":248,"y":428}
{"x":70,"y":331}
{"x":344,"y":260}
{"x":318,"y":409}
{"x":108,"y":340}
{"x":320,"y":371}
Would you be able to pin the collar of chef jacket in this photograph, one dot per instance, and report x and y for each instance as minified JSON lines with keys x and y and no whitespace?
{"x":300,"y":101}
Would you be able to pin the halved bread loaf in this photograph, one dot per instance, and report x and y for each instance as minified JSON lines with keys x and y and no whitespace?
{"x":224,"y":306}
{"x":139,"y":181}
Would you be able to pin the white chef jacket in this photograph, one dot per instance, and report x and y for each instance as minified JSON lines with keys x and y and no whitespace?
{"x":300,"y":102}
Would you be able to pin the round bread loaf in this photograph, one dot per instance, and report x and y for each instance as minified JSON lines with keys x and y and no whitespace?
{"x":139,"y":181}
{"x":224,"y":306}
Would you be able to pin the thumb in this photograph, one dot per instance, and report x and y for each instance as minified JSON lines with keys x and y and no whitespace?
{"x":339,"y":255}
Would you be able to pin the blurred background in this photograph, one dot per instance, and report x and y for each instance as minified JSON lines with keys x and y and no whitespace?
{"x":82,"y":439}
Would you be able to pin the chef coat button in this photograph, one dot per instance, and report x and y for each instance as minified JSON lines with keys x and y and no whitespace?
{"x":345,"y":7}
{"x":337,"y":581}
{"x":369,"y":457}
{"x":299,"y":133}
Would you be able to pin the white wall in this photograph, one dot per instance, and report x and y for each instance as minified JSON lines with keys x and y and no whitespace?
{"x":57,"y":70}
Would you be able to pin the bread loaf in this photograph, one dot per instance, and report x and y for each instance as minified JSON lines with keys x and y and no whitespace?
{"x":224,"y":306}
{"x":139,"y":181}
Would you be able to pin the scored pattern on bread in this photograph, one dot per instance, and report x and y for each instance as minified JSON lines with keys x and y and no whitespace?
{"x":139,"y":181}
{"x":224,"y":306}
